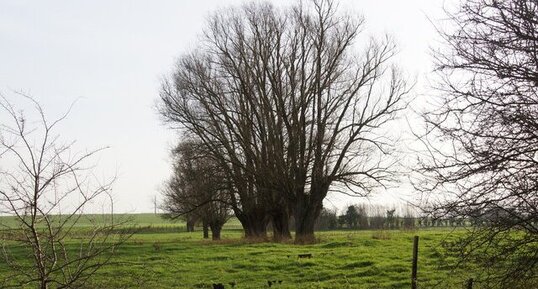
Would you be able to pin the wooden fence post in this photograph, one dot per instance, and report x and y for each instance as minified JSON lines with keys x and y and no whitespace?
{"x":415,"y":262}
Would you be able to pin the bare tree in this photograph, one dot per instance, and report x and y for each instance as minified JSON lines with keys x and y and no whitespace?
{"x":197,"y":189}
{"x":45,"y":187}
{"x":482,"y":138}
{"x":282,"y":100}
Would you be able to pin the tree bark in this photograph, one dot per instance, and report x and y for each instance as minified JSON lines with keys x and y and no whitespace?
{"x":280,"y":222}
{"x":205,"y":229}
{"x":254,"y":225}
{"x":307,"y":210}
{"x":215,"y":231}
{"x":304,"y":228}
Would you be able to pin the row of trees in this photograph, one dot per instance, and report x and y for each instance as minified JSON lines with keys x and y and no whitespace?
{"x":288,"y":110}
{"x":197,"y":191}
{"x":196,"y":210}
{"x":364,"y":216}
{"x":279,"y":100}
{"x":287,"y":107}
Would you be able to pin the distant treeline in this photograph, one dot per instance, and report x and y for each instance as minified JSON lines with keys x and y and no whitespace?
{"x":365,"y":216}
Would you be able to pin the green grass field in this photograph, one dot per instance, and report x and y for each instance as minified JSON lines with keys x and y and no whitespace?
{"x":162,"y":255}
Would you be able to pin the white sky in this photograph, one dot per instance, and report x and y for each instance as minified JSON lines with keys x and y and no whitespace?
{"x":112,"y":54}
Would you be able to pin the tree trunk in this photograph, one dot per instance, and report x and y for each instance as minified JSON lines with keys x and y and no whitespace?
{"x":215,"y":231}
{"x":255,"y":227}
{"x":280,"y":221}
{"x":304,"y":229}
{"x":307,"y":210}
{"x":206,"y":229}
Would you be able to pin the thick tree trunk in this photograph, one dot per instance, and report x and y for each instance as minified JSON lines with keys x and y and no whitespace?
{"x":215,"y":231}
{"x":206,"y":229}
{"x":304,"y":228}
{"x":307,"y":210}
{"x":281,"y":229}
{"x":254,"y":225}
{"x":257,"y":229}
{"x":254,"y":222}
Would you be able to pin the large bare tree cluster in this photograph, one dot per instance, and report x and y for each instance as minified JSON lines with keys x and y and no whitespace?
{"x":290,"y":103}
{"x":483,"y":137}
{"x":44,"y":190}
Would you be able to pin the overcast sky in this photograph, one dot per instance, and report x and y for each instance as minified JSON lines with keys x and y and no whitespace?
{"x":111,"y":56}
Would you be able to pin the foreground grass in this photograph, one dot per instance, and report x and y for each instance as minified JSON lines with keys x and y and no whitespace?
{"x":156,"y":258}
{"x":341,"y":259}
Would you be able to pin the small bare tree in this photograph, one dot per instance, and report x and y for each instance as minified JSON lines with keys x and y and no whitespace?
{"x":45,"y":188}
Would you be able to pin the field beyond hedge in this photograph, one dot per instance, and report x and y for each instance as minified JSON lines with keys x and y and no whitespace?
{"x":163,"y":255}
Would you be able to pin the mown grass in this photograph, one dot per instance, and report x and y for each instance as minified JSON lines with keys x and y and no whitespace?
{"x":171,"y":258}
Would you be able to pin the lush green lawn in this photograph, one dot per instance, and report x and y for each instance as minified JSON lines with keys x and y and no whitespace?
{"x":168,"y":258}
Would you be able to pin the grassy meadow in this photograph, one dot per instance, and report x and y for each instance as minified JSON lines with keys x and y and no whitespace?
{"x":162,"y":255}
